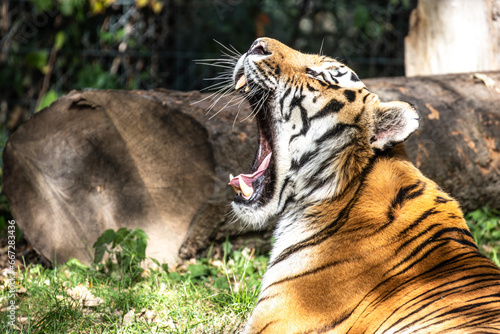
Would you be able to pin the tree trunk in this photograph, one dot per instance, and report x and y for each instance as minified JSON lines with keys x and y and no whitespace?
{"x":108,"y":159}
{"x":453,"y":36}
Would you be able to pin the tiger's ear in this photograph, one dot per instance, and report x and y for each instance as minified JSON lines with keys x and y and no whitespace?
{"x":393,"y":122}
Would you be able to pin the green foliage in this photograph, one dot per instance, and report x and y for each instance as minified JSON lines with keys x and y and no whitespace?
{"x":484,"y":224}
{"x":205,"y":295}
{"x":73,"y":8}
{"x":124,"y":250}
{"x":47,"y":99}
{"x":42,"y":5}
{"x":94,"y":76}
{"x":361,"y":16}
{"x":97,"y":45}
{"x":60,"y":38}
{"x":37,"y":59}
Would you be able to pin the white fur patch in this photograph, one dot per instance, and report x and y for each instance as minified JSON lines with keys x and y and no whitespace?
{"x":337,"y":74}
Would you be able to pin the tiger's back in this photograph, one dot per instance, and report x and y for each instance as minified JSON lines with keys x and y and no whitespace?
{"x":364,"y":242}
{"x":414,"y":268}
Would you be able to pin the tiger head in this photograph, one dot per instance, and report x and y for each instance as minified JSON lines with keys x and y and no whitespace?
{"x":318,"y":127}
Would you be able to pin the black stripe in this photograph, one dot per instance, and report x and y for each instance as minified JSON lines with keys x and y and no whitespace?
{"x":335,"y":131}
{"x":285,"y":184}
{"x":331,"y":76}
{"x":339,"y":74}
{"x":264,"y":299}
{"x":288,"y":201}
{"x":350,"y":95}
{"x":304,"y":159}
{"x":416,"y":251}
{"x":311,"y":88}
{"x":318,"y":182}
{"x":423,"y":216}
{"x":297,"y":100}
{"x":441,"y":199}
{"x":328,"y":85}
{"x":364,"y":98}
{"x":358,"y":116}
{"x":431,"y":298}
{"x":266,"y":326}
{"x":436,"y":237}
{"x":277,"y":71}
{"x":332,"y":107}
{"x":354,"y":77}
{"x":405,"y":194}
{"x":442,"y":273}
{"x":456,"y":230}
{"x":334,"y":226}
{"x":282,"y":99}
{"x":309,"y":272}
{"x":256,"y":71}
{"x":316,"y":179}
{"x":421,"y":234}
{"x":334,"y":323}
{"x":305,"y":122}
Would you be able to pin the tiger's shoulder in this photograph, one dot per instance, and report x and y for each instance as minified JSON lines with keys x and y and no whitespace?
{"x":364,"y":242}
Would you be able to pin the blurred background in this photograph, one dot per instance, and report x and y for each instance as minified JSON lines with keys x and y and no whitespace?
{"x":50,"y":47}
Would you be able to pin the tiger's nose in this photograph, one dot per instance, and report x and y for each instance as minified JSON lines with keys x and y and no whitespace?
{"x":259,"y":47}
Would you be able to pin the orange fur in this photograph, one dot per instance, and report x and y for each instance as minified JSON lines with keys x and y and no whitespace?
{"x":389,"y":251}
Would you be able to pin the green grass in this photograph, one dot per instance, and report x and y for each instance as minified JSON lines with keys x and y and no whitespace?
{"x":485,"y":227}
{"x":199,"y":296}
{"x":205,"y":295}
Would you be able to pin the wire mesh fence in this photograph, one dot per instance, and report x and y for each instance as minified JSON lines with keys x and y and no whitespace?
{"x":47,"y":49}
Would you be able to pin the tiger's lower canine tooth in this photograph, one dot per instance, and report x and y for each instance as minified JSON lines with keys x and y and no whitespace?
{"x":245,"y":189}
{"x":241,"y":82}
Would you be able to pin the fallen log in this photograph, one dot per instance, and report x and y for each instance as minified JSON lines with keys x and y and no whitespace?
{"x":96,"y":160}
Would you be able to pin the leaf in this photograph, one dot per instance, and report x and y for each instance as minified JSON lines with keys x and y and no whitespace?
{"x":105,"y":238}
{"x":141,"y":248}
{"x":42,"y":5}
{"x":37,"y":59}
{"x":361,"y":16}
{"x":99,"y":253}
{"x":59,"y":40}
{"x":73,"y":262}
{"x":83,"y":296}
{"x":48,"y":99}
{"x":100,"y":246}
{"x":226,"y":248}
{"x":374,"y":29}
{"x":155,"y":261}
{"x":121,"y":234}
{"x":140,"y":234}
{"x":67,"y":8}
{"x":197,"y":270}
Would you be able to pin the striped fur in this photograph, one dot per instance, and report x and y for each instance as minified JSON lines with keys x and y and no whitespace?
{"x":364,"y":242}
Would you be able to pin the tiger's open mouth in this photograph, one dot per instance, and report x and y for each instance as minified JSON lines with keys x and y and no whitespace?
{"x":258,"y":184}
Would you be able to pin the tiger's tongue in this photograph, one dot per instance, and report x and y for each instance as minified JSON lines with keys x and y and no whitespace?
{"x":243,"y":182}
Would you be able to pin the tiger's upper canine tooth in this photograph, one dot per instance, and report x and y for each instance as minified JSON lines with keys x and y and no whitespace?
{"x":241,"y":82}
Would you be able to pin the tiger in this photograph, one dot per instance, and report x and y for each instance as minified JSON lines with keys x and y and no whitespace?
{"x":364,"y":242}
